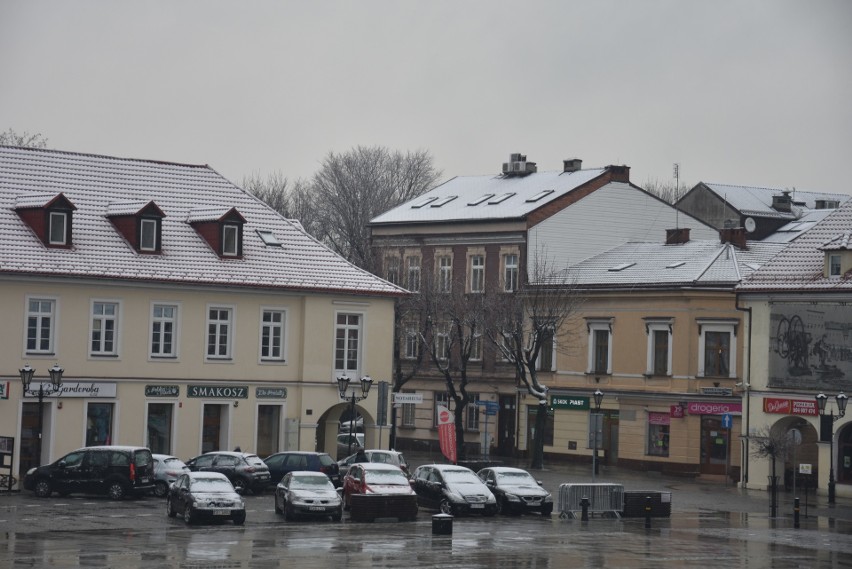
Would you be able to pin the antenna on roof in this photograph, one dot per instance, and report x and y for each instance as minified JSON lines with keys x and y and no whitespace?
{"x":676,"y":172}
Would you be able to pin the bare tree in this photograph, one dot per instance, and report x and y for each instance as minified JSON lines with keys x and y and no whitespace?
{"x":409,"y":328}
{"x":667,"y":190}
{"x":528,"y":327}
{"x":774,"y":444}
{"x":353,"y":187}
{"x":293,"y":201}
{"x":25,"y":139}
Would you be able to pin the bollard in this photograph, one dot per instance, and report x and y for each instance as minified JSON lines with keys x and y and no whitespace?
{"x":796,"y":513}
{"x":584,"y":504}
{"x":647,"y":512}
{"x":442,"y":524}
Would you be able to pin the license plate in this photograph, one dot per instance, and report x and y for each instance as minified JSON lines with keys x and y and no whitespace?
{"x":221,"y":512}
{"x":145,"y":480}
{"x":316,"y":509}
{"x":477,"y":506}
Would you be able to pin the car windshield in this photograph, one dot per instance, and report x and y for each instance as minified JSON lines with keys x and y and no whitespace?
{"x":254,"y":460}
{"x":174,"y":463}
{"x":515,"y":478}
{"x":211,"y":485}
{"x":461,"y":477}
{"x":312,"y":482}
{"x":325,"y":460}
{"x":382,"y":458}
{"x":386,"y":477}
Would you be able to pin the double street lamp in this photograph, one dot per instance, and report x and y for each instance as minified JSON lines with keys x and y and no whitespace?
{"x":352,"y":397}
{"x":44,"y":390}
{"x":597,"y":427}
{"x":822,"y":399}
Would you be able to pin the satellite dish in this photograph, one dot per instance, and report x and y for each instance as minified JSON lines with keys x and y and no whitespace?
{"x":750,"y":225}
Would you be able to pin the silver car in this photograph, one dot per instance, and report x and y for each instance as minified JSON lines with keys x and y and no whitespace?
{"x":307,"y":493}
{"x":166,"y":470}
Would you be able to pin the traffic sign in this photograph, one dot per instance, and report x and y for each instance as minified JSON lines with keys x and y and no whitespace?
{"x":727,"y":421}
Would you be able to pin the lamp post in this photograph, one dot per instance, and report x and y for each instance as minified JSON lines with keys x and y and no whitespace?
{"x":352,"y":397}
{"x":27,"y":374}
{"x":596,"y":422}
{"x":822,"y":399}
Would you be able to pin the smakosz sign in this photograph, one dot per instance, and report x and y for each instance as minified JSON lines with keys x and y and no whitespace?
{"x":218,"y":391}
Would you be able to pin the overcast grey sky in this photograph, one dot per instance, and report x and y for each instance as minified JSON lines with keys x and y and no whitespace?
{"x":746,"y":92}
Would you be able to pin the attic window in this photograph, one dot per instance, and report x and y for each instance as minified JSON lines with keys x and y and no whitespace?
{"x":834,"y":265}
{"x":57,"y":228}
{"x":827,"y":204}
{"x":148,"y":235}
{"x":539,"y":195}
{"x":221,"y":229}
{"x":268,"y":238}
{"x":423,"y":202}
{"x":676,"y":264}
{"x":444,"y":201}
{"x":50,"y":216}
{"x":230,"y":240}
{"x":140,"y":223}
{"x":621,"y":267}
{"x":481,"y":199}
{"x":501,"y":198}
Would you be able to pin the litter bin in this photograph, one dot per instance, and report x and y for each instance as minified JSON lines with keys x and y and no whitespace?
{"x":442,"y":524}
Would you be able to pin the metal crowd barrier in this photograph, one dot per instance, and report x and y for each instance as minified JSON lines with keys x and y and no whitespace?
{"x":605,"y":499}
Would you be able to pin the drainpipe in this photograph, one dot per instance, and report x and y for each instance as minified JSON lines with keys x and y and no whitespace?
{"x":747,"y":388}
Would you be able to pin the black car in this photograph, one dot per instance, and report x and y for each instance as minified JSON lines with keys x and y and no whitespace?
{"x":112,"y":470}
{"x":205,"y":495}
{"x":516,"y":491}
{"x":245,"y":471}
{"x":453,"y":490}
{"x":281,"y":463}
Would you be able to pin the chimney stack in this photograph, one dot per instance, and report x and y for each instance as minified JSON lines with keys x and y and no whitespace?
{"x":783,"y":202}
{"x":572,"y":165}
{"x":677,"y":236}
{"x":735,"y":236}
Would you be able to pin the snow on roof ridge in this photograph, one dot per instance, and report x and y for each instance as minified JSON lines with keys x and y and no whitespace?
{"x":106,"y":156}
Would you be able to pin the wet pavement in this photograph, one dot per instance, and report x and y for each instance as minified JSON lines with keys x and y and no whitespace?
{"x":712,"y":525}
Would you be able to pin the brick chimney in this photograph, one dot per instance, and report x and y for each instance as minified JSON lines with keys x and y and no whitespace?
{"x":677,"y":236}
{"x":619,"y":173}
{"x":736,"y":236}
{"x":783,"y":202}
{"x":572,"y":165}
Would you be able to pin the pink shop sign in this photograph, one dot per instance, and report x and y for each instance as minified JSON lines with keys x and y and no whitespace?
{"x":714,"y":408}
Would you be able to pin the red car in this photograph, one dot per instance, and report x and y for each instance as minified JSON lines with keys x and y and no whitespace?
{"x":375,"y":478}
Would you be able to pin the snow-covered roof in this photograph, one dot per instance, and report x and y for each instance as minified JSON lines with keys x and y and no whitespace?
{"x":793,"y":229}
{"x":478,"y":198}
{"x":801,"y":266}
{"x":656,"y":265}
{"x":99,"y":186}
{"x":757,"y":201}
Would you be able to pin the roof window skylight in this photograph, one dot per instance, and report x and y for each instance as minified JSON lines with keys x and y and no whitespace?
{"x":425,"y":201}
{"x":676,"y":264}
{"x":539,"y":195}
{"x":443,"y":201}
{"x":621,"y":267}
{"x":481,"y":199}
{"x":501,"y":198}
{"x":268,"y":238}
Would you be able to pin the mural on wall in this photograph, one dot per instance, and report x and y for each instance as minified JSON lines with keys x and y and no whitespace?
{"x":811,"y":346}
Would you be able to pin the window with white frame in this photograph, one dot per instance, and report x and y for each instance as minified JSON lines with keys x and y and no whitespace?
{"x":164,"y":330}
{"x":58,"y":228}
{"x":472,"y":423}
{"x":477,"y":273}
{"x":442,"y":342}
{"x":412,"y":342}
{"x":600,"y":345}
{"x":445,"y":273}
{"x":834,"y":265}
{"x":413,"y":273}
{"x":230,"y":240}
{"x":546,"y":355}
{"x":408,"y":413}
{"x":392,"y":270}
{"x":219,"y":332}
{"x":510,"y":273}
{"x":41,"y":316}
{"x":347,"y":343}
{"x":104,"y":332}
{"x":148,"y":235}
{"x":659,"y":354}
{"x":717,"y":348}
{"x":272,"y":323}
{"x":441,"y":398}
{"x":476,"y":348}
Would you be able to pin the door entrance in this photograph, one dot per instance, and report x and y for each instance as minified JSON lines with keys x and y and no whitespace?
{"x":714,"y":445}
{"x":506,"y":426}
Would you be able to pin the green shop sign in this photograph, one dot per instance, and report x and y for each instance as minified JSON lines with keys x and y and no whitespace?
{"x":270,"y":392}
{"x":569,"y":402}
{"x":218,"y":391}
{"x":162,"y":391}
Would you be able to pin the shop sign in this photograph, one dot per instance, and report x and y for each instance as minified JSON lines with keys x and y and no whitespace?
{"x":162,"y":390}
{"x":407,"y":398}
{"x":568,"y":402}
{"x":4,"y":390}
{"x":676,"y":411}
{"x":218,"y":391}
{"x":73,"y":389}
{"x":658,"y":418}
{"x":725,"y":391}
{"x":790,"y":406}
{"x":270,"y":392}
{"x":714,"y":408}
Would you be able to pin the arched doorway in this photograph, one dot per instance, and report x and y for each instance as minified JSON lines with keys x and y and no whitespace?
{"x":844,"y":455}
{"x":335,"y":423}
{"x":800,"y":457}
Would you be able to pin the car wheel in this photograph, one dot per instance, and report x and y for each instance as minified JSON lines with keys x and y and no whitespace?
{"x":187,"y":515}
{"x":278,"y":509}
{"x":115,"y":490}
{"x":240,"y":485}
{"x":547,"y":511}
{"x":161,"y":489}
{"x":446,"y":507}
{"x":338,"y":515}
{"x":239,"y":518}
{"x":288,"y":513}
{"x":501,"y":506}
{"x":42,"y":488}
{"x":170,"y":507}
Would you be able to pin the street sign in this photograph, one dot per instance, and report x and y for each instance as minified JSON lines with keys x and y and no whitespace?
{"x":382,"y":405}
{"x":727,"y":421}
{"x":415,"y":398}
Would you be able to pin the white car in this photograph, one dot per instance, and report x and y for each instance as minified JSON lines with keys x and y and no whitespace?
{"x":167,"y":468}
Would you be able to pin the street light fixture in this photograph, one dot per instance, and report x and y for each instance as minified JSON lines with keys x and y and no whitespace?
{"x":822,"y":399}
{"x":596,"y":427}
{"x":352,"y":397}
{"x":27,"y":374}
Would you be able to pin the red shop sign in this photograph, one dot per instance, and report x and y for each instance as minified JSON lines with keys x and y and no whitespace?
{"x":658,"y":418}
{"x":790,"y":406}
{"x":714,"y":408}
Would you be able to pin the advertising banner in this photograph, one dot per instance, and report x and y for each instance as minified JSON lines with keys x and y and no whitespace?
{"x":447,"y":433}
{"x":714,"y":408}
{"x":781,"y":406}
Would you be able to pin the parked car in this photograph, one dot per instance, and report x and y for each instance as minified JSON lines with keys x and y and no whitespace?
{"x":307,"y":493}
{"x":453,"y":490}
{"x":167,"y":468}
{"x":375,"y":478}
{"x":281,"y":463}
{"x":347,"y":443}
{"x":112,"y":470}
{"x":347,"y":426}
{"x":516,"y":491}
{"x":378,"y":456}
{"x":245,"y":471}
{"x":205,"y":495}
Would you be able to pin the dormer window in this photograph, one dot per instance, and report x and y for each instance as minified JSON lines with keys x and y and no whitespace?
{"x":838,"y":255}
{"x":222,"y":229}
{"x":140,"y":223}
{"x":230,"y":240}
{"x":148,"y":234}
{"x":834,"y":265}
{"x":49,"y":216}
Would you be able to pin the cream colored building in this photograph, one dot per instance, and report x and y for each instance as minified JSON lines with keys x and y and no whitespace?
{"x":186,"y":314}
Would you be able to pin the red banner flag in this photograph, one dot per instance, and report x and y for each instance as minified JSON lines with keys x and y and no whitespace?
{"x":447,"y":433}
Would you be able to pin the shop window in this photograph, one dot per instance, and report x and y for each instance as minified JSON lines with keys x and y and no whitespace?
{"x":658,"y":434}
{"x":268,"y":429}
{"x":160,"y":423}
{"x":99,"y":423}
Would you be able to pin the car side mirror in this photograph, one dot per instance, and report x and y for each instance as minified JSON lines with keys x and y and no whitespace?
{"x":339,"y":491}
{"x":62,"y":464}
{"x":489,"y":483}
{"x":539,"y":483}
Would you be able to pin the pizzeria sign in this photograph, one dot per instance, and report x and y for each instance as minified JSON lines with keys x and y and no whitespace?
{"x":782,"y":406}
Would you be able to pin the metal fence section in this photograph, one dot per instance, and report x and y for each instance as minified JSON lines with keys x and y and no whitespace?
{"x":605,"y":499}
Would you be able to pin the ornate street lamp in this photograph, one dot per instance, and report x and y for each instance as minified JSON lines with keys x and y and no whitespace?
{"x":352,"y":397}
{"x":822,"y":399}
{"x":596,"y":423}
{"x":27,"y":374}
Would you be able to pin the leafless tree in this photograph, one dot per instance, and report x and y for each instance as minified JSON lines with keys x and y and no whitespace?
{"x":293,"y":201}
{"x":25,"y":139}
{"x":775,"y":444}
{"x":667,"y":190}
{"x":409,"y":327}
{"x":529,"y":327}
